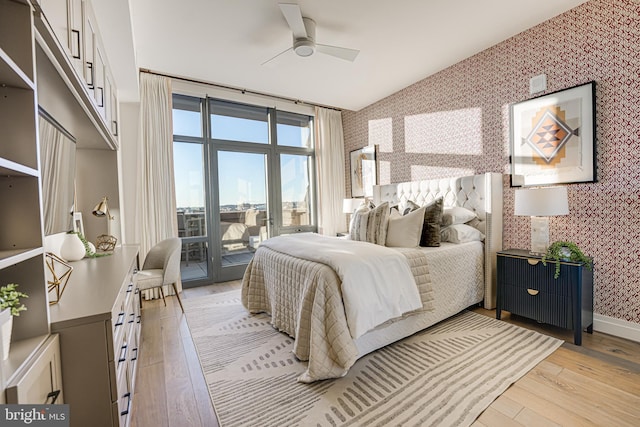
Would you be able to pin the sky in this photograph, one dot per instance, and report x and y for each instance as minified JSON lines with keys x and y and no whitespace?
{"x":241,"y":175}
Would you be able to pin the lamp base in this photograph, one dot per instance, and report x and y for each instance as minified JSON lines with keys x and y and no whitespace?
{"x":539,"y":234}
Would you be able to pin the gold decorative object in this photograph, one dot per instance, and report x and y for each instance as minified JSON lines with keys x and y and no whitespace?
{"x":52,"y":260}
{"x":106,"y":243}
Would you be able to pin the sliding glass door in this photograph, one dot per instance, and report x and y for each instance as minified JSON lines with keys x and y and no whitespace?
{"x":243,"y":174}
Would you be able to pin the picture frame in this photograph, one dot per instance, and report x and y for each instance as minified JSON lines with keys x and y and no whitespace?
{"x":78,"y":225}
{"x":553,"y":138}
{"x":364,"y":171}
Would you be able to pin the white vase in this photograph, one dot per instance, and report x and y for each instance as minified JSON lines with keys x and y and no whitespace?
{"x":6,"y":325}
{"x":72,"y":248}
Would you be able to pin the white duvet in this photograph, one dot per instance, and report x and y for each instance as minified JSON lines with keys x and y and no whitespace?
{"x":377,"y":283}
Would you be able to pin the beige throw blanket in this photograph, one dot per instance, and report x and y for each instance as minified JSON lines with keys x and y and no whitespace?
{"x":365,"y":272}
{"x":304,"y":299}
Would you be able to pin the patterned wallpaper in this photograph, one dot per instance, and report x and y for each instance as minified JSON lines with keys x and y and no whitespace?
{"x":457,"y":122}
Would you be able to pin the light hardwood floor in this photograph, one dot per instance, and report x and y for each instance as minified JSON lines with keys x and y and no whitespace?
{"x":597,"y":384}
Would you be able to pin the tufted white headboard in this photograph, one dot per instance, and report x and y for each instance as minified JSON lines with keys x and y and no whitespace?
{"x":479,"y":193}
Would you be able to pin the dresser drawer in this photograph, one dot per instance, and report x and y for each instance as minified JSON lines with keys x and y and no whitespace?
{"x":41,"y":381}
{"x":541,"y":306}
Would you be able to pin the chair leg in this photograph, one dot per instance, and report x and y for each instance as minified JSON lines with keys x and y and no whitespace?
{"x":162,"y":293}
{"x":178,"y":295}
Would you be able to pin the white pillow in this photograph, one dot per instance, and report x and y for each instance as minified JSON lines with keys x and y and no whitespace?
{"x":457,"y":215}
{"x":461,"y":233}
{"x":405,"y":231}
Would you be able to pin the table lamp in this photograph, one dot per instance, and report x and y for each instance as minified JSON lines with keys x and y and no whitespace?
{"x":540,"y":204}
{"x":105,"y":242}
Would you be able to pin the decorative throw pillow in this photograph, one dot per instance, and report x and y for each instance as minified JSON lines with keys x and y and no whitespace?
{"x":461,"y":233}
{"x":405,"y":230}
{"x":457,"y":215}
{"x":370,"y":225}
{"x":431,"y":225}
{"x":410,"y":207}
{"x":432,"y":220}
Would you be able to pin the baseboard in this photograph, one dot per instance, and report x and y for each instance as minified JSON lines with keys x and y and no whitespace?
{"x":619,"y":328}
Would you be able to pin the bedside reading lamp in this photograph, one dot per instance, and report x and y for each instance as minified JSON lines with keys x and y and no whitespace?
{"x":105,"y":242}
{"x":540,"y":204}
{"x":349,"y":206}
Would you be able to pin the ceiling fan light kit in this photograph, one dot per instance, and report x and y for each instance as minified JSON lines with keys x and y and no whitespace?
{"x":303,"y":30}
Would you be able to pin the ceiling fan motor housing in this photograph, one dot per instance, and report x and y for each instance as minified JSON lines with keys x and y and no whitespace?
{"x":306,"y":46}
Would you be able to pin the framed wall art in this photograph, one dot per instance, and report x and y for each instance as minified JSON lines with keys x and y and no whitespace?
{"x":364,"y":171}
{"x":553,"y":138}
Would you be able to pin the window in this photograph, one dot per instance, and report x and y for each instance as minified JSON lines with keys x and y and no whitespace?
{"x":243,"y":173}
{"x":187,"y":118}
{"x":237,"y":122}
{"x":294,"y":130}
{"x":295,"y":190}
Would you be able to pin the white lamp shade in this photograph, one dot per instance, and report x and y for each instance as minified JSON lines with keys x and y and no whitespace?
{"x":546,"y":201}
{"x":350,"y":205}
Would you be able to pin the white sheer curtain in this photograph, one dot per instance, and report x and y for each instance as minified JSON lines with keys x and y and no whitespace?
{"x":330,"y":167}
{"x":156,"y":202}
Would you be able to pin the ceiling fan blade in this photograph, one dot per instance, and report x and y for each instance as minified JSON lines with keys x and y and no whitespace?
{"x":293,"y":15}
{"x":274,"y":60}
{"x":339,"y":52}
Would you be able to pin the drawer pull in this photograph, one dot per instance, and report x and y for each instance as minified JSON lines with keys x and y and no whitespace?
{"x":533,"y":261}
{"x":120,"y":320}
{"x":126,"y":411}
{"x":533,"y":292}
{"x":134,"y":355}
{"x":53,"y":396}
{"x":123,"y":354}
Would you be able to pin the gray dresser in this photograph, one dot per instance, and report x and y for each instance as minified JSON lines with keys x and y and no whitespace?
{"x":98,"y":321}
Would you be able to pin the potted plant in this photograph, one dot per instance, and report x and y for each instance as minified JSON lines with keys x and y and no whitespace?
{"x":10,"y":306}
{"x":565,"y":251}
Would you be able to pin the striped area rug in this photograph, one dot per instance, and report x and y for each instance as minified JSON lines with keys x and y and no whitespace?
{"x":444,"y":376}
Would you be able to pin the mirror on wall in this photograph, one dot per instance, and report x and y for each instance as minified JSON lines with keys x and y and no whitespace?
{"x":58,"y":165}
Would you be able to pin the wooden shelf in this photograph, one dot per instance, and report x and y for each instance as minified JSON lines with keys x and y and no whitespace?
{"x":20,"y":353}
{"x":16,"y":256}
{"x":10,"y":168}
{"x":11,"y":74}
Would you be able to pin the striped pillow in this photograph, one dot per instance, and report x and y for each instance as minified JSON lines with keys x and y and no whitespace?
{"x":370,"y":225}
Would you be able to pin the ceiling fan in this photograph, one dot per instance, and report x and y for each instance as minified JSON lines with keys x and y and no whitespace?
{"x":304,"y":37}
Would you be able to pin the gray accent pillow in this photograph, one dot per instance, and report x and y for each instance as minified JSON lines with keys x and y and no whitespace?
{"x":432,"y":219}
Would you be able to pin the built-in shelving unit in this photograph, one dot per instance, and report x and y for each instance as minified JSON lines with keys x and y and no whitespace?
{"x":48,"y":60}
{"x":21,"y":233}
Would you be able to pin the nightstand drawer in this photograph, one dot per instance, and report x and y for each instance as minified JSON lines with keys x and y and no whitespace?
{"x":541,"y":306}
{"x":531,"y":273}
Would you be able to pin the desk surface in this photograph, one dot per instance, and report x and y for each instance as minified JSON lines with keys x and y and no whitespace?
{"x":93,"y":288}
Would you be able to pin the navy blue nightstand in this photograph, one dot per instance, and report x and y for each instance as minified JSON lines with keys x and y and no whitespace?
{"x":527,"y":288}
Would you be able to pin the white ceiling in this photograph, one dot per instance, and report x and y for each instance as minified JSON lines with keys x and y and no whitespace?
{"x":400,"y":42}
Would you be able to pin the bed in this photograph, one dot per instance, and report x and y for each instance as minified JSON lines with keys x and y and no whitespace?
{"x":304,"y":296}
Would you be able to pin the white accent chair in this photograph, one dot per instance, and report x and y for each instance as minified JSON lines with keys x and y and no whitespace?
{"x":161,"y":268}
